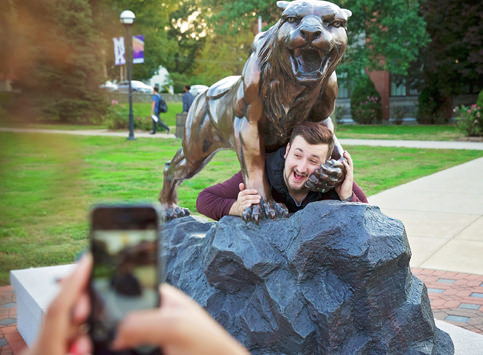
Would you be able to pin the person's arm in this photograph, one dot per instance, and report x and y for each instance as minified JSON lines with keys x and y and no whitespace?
{"x":357,"y":194}
{"x":349,"y":191}
{"x":344,"y":190}
{"x":153,"y":105}
{"x":180,"y":326}
{"x":215,"y":201}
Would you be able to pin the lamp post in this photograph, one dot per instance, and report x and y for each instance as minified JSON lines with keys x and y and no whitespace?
{"x":127,"y":19}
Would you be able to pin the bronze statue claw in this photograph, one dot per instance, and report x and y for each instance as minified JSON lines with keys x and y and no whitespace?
{"x":252,"y":213}
{"x":174,"y":212}
{"x":329,"y":175}
{"x":264,"y":210}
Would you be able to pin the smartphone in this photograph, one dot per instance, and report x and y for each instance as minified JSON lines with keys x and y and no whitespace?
{"x":125,"y":245}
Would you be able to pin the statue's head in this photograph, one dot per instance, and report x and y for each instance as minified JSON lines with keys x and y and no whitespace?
{"x":313,"y":36}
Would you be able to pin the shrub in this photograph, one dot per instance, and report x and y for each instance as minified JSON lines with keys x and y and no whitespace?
{"x":117,"y":117}
{"x":470,"y":120}
{"x":366,"y":103}
{"x":179,"y":81}
{"x":398,"y":114}
{"x":433,"y":106}
{"x":338,"y":114}
{"x":479,"y":101}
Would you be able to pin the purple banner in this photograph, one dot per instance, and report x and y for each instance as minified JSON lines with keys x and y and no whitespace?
{"x":138,"y":49}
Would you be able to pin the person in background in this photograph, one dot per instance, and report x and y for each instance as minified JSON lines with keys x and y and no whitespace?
{"x":287,"y":170}
{"x":179,"y":326}
{"x":187,"y":98}
{"x":155,"y":114}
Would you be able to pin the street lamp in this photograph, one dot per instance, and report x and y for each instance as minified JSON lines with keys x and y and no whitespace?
{"x":127,"y":19}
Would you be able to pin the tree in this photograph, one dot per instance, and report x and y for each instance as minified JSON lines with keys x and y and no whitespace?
{"x":187,"y":28}
{"x":383,"y":35}
{"x":231,"y":17}
{"x":453,"y":61}
{"x":55,"y":59}
{"x":222,"y":56}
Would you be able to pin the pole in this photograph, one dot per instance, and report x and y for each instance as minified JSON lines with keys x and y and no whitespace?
{"x":129,"y":77}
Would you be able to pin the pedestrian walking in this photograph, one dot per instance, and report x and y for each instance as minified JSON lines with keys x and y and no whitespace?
{"x":155,"y":112}
{"x":187,"y":98}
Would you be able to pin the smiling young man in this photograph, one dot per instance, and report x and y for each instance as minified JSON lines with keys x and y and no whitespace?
{"x":287,"y":169}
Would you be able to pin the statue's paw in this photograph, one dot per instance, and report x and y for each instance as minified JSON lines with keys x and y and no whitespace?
{"x":264,"y":210}
{"x":272,"y":209}
{"x":329,"y":175}
{"x":252,"y":213}
{"x":173,"y":212}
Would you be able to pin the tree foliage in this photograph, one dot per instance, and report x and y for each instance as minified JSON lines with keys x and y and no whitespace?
{"x":453,"y":61}
{"x":366,"y":105}
{"x":55,"y":59}
{"x":222,"y":56}
{"x":393,"y":30}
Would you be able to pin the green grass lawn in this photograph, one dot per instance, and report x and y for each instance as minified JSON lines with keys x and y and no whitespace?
{"x":48,"y":182}
{"x":409,"y":132}
{"x":143,"y":109}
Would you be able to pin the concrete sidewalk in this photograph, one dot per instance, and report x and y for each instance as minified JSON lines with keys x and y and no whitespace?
{"x":414,"y":144}
{"x":90,"y":132}
{"x":344,"y":141}
{"x":443,"y":216}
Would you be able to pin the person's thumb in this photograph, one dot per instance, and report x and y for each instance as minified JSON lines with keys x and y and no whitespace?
{"x":241,"y":186}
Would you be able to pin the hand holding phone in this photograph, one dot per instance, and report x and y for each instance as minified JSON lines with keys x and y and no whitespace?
{"x":124,"y":242}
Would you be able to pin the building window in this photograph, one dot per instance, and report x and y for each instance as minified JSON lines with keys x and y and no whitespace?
{"x":344,"y":86}
{"x":400,"y":86}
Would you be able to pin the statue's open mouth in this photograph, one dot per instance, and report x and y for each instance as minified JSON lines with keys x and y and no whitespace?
{"x":308,"y":63}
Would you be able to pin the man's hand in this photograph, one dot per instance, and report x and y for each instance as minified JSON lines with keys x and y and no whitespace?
{"x":246,"y":198}
{"x":251,"y":207}
{"x":344,"y":190}
{"x":325,"y":178}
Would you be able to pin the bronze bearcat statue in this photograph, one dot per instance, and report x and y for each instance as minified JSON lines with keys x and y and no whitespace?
{"x":288,"y":78}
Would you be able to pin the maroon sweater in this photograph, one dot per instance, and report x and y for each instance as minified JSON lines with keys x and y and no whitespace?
{"x":215,"y":201}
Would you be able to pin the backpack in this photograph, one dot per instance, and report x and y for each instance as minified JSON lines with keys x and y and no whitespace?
{"x":162,"y":106}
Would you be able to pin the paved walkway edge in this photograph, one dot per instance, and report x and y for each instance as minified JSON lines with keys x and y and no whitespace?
{"x":465,"y":342}
{"x":414,"y":144}
{"x":344,"y":141}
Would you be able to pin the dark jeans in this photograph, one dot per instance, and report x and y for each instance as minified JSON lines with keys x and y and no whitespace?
{"x":161,"y":123}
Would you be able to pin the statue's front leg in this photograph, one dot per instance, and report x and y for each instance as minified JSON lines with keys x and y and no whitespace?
{"x":252,"y":160}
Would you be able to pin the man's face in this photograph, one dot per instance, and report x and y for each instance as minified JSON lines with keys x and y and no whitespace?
{"x":301,"y":160}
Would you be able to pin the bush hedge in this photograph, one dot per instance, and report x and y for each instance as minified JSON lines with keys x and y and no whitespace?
{"x":117,"y":117}
{"x":366,"y":105}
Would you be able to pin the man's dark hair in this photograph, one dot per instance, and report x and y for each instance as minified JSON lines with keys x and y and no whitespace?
{"x":314,"y":133}
{"x":156,"y":89}
{"x":187,"y":87}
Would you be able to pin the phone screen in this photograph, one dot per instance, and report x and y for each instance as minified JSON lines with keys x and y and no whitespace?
{"x":125,"y":275}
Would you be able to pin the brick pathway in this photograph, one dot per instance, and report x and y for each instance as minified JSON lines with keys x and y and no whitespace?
{"x":455,"y":297}
{"x":10,"y":340}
